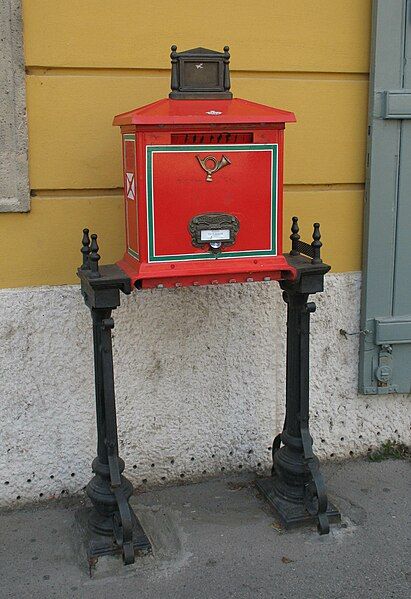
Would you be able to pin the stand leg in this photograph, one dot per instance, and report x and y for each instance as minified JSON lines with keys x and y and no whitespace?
{"x":296,"y":489}
{"x":112,"y":527}
{"x":112,"y":523}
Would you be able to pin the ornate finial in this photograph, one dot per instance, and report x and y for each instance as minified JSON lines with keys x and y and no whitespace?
{"x":295,"y":238}
{"x":94,"y":256}
{"x":174,"y":68}
{"x":85,"y":250}
{"x":226,"y":61}
{"x":316,"y":244}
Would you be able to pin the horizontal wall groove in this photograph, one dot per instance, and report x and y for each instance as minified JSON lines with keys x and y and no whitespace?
{"x":118,"y":191}
{"x":50,"y":71}
{"x":324,"y":187}
{"x":76,"y":193}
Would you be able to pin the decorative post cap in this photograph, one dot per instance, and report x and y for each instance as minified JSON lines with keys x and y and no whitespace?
{"x":295,"y":237}
{"x":316,"y":244}
{"x":94,"y":257}
{"x":85,"y":250}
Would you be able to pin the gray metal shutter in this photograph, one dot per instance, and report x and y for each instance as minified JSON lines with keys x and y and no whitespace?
{"x":385,"y":348}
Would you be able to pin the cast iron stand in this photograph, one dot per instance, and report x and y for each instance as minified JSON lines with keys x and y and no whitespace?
{"x":112,"y":525}
{"x":296,"y":488}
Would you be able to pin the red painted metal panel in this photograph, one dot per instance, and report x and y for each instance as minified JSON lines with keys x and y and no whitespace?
{"x":172,"y":112}
{"x":172,"y":187}
{"x":130,"y":192}
{"x":180,"y":192}
{"x":240,"y":270}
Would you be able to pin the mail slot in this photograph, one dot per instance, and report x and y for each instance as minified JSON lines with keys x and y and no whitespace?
{"x":203,"y":182}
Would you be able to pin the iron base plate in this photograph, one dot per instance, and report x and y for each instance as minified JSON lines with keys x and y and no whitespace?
{"x":98,"y":545}
{"x":290,"y":514}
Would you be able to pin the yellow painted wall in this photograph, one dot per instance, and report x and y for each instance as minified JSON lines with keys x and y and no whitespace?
{"x":87,"y":61}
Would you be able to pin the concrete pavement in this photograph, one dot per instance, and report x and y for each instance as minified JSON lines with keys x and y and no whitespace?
{"x":219,"y":540}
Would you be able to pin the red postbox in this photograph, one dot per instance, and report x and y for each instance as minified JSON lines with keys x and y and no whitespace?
{"x":203,"y":182}
{"x":203,"y":189}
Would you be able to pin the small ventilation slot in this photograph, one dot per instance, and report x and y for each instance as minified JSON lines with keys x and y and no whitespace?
{"x":211,"y":138}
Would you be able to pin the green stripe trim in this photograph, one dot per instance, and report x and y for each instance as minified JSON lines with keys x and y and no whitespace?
{"x":133,"y":253}
{"x":206,"y":148}
{"x":129,"y":137}
{"x":212,"y":256}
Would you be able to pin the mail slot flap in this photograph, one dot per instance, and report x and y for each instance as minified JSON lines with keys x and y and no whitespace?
{"x":396,"y":329}
{"x":397,"y":104}
{"x":220,"y":137}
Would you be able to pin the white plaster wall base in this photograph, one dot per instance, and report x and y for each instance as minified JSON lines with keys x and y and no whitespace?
{"x":200,"y":381}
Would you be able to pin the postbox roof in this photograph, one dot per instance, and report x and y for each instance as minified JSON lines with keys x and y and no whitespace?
{"x":185,"y":112}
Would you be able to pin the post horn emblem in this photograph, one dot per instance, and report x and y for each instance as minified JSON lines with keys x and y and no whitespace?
{"x":216,"y":165}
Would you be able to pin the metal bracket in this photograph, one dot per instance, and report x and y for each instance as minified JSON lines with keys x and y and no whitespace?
{"x":393,"y":330}
{"x":122,"y":519}
{"x":383,"y":333}
{"x":315,"y":496}
{"x":396,"y":104}
{"x":382,"y":371}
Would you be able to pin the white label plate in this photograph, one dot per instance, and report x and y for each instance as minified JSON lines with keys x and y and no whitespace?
{"x":215,"y":235}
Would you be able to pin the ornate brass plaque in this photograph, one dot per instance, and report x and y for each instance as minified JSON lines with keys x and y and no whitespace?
{"x":216,"y":229}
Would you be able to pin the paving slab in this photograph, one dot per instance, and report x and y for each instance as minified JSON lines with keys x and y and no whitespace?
{"x":219,"y":539}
